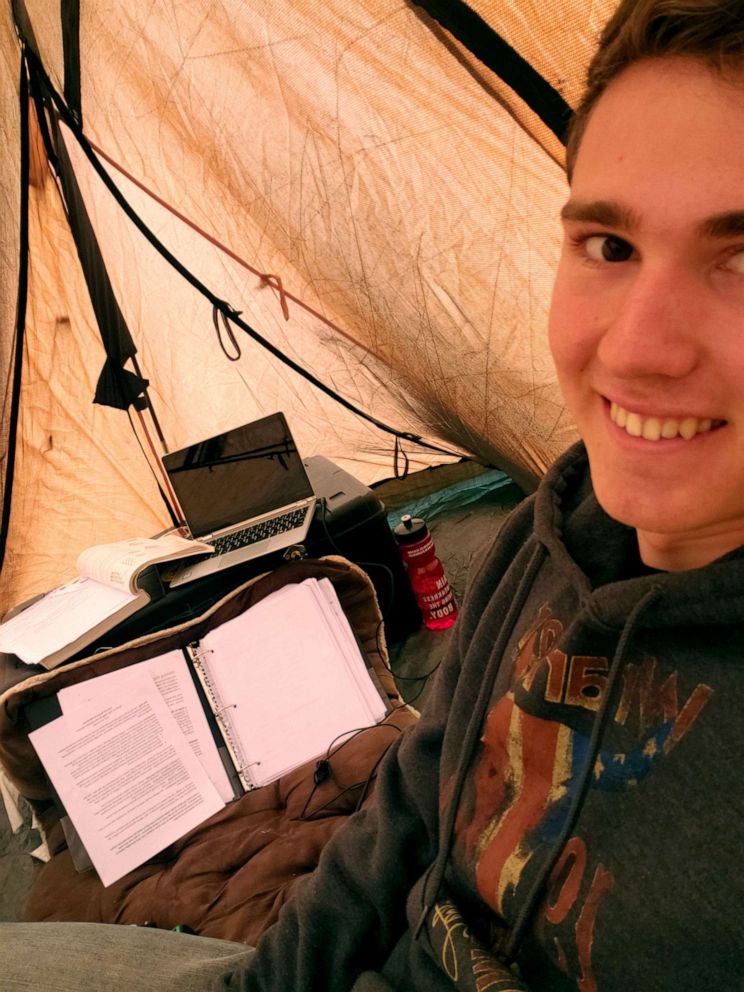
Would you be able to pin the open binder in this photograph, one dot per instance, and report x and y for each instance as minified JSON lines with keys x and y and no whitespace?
{"x":306,"y":681}
{"x":140,"y":756}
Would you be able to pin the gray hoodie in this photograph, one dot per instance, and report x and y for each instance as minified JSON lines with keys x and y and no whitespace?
{"x":567,"y":815}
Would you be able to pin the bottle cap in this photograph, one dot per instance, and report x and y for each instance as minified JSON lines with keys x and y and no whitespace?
{"x":410,"y":529}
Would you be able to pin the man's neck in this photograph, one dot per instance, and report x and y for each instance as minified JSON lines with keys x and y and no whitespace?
{"x":675,"y":553}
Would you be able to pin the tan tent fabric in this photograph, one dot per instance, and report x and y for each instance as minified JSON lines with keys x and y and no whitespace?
{"x":396,"y":188}
{"x":77,"y":468}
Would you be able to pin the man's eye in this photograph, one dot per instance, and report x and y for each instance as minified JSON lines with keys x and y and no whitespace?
{"x":607,"y":248}
{"x":735,"y":262}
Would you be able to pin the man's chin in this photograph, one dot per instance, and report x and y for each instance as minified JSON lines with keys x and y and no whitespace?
{"x":637,"y":507}
{"x":646,"y":495}
{"x":677,"y":527}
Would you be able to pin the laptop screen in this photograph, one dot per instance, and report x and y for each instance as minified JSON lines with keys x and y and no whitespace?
{"x":236,"y":476}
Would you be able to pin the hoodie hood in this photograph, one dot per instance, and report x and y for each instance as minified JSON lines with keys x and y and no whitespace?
{"x":600,"y":557}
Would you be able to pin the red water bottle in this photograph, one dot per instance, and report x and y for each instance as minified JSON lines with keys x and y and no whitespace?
{"x":428,"y":581}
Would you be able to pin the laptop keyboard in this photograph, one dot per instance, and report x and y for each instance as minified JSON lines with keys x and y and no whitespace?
{"x":259,"y":532}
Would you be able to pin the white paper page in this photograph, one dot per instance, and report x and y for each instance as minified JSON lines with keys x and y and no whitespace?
{"x":60,"y":618}
{"x":341,"y":628}
{"x":116,"y":564}
{"x":129,"y":781}
{"x":169,"y":673}
{"x":283,"y":683}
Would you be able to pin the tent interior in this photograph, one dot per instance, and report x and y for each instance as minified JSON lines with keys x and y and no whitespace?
{"x":218,"y":209}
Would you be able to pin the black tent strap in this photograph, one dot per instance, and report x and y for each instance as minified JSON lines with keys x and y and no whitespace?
{"x":37,"y":70}
{"x":116,"y":386}
{"x":494,"y":52}
{"x":119,"y":388}
{"x":117,"y":340}
{"x":70,"y":15}
{"x":23,"y":26}
{"x":21,"y":300}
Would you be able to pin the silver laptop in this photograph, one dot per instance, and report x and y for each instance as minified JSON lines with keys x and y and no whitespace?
{"x":246,"y":492}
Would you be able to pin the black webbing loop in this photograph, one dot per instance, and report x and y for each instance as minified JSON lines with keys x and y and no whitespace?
{"x":218,"y":317}
{"x":398,"y":455}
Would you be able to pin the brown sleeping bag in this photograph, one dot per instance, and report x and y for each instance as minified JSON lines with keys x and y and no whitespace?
{"x":230,"y":876}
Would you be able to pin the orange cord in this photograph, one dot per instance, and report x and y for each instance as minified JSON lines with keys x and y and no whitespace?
{"x":273,"y":281}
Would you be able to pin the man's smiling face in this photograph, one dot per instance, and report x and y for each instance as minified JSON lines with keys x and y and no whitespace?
{"x":647,"y":320}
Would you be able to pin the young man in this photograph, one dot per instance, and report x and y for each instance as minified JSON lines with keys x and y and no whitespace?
{"x":568,"y":813}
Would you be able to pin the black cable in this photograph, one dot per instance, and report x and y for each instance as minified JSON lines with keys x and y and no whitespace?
{"x":378,"y":629}
{"x":307,"y":817}
{"x":324,"y":769}
{"x":389,"y":667}
{"x":413,"y":698}
{"x":363,"y":564}
{"x":352,"y":734}
{"x":387,"y":608}
{"x":414,"y":678}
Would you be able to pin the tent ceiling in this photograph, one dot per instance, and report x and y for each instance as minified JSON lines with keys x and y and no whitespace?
{"x":400,"y":191}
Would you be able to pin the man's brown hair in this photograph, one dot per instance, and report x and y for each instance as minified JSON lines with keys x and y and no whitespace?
{"x":709,"y":30}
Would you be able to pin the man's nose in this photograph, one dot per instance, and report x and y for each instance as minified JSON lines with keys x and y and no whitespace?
{"x":652,"y":328}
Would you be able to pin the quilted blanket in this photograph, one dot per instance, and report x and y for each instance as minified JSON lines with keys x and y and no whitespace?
{"x":230,"y":876}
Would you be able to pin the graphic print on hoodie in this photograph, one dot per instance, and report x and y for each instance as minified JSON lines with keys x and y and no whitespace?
{"x":535,"y":743}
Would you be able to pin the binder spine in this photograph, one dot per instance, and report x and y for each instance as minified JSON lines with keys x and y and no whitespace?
{"x":198,"y":656}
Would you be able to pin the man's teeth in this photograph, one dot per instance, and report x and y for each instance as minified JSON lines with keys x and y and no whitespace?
{"x":656,"y":428}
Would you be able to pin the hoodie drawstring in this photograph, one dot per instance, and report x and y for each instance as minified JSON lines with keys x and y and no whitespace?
{"x":435,"y":874}
{"x":510,"y":946}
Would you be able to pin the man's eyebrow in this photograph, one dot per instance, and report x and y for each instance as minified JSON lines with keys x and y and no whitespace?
{"x":726,"y":225}
{"x":607,"y":213}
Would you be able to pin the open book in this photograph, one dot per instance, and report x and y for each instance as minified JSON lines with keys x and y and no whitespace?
{"x":115,"y":581}
{"x":143,"y":755}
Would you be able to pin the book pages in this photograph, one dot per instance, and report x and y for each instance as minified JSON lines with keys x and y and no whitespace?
{"x":63,"y":616}
{"x":119,"y":564}
{"x":116,"y":580}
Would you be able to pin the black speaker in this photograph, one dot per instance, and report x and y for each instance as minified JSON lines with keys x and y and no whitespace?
{"x":351,"y":521}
